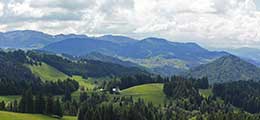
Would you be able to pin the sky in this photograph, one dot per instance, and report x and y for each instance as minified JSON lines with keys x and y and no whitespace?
{"x":211,"y":23}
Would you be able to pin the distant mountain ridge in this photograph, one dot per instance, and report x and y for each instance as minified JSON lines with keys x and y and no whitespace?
{"x":226,"y":69}
{"x":160,"y":55}
{"x":29,"y":39}
{"x":104,"y":58}
{"x":251,"y":55}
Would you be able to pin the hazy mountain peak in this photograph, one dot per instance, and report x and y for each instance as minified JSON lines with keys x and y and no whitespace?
{"x":225,"y":69}
{"x":156,"y":40}
{"x":117,"y":39}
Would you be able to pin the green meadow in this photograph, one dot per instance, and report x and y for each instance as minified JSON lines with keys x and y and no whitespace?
{"x":22,"y":116}
{"x":149,"y":92}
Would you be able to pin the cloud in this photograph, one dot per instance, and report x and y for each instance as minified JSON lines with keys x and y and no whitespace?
{"x":213,"y":23}
{"x":1,"y":9}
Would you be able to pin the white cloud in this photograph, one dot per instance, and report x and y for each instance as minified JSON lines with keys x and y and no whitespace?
{"x":24,"y":10}
{"x":1,"y":9}
{"x":220,"y":23}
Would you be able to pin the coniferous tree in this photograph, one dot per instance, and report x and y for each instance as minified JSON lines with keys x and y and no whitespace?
{"x":67,"y":96}
{"x":2,"y":105}
{"x":29,"y":102}
{"x":15,"y":106}
{"x":26,"y":102}
{"x":83,"y":96}
{"x":22,"y":104}
{"x":49,"y":105}
{"x":39,"y":104}
{"x":57,"y":110}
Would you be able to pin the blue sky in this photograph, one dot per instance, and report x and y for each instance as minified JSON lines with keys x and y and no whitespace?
{"x":258,"y":4}
{"x":212,"y":23}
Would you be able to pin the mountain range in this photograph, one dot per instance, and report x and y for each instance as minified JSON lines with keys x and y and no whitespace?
{"x":28,"y":39}
{"x":251,"y":55}
{"x":157,"y":55}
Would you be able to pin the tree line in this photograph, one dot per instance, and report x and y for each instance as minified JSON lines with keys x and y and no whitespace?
{"x":242,"y":94}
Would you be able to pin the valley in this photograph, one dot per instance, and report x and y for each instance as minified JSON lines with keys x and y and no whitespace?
{"x":156,"y":80}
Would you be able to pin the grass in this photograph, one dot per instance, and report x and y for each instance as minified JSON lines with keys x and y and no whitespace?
{"x":22,"y":116}
{"x":87,"y":83}
{"x":206,"y":93}
{"x":46,"y":72}
{"x":49,"y":73}
{"x":149,"y":92}
{"x":9,"y":98}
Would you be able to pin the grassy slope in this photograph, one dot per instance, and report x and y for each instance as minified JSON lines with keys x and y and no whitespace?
{"x":21,"y":116}
{"x":206,"y":92}
{"x":87,"y":83}
{"x":50,"y":73}
{"x":47,"y":72}
{"x":149,"y":92}
{"x":9,"y":98}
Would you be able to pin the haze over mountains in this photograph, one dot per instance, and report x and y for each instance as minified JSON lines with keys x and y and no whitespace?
{"x":28,"y":39}
{"x":157,"y":55}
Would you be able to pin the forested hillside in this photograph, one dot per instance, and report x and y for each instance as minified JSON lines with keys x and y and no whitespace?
{"x":226,"y":69}
{"x":84,"y":67}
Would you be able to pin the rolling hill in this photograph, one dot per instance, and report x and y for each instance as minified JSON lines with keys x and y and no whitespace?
{"x":149,"y":92}
{"x":226,"y":69}
{"x":47,"y":72}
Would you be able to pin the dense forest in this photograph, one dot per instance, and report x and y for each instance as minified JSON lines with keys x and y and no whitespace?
{"x":42,"y":104}
{"x":242,"y":94}
{"x":237,"y":100}
{"x":15,"y":77}
{"x":184,"y":102}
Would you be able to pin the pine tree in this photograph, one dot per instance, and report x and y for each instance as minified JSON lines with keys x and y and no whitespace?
{"x":39,"y":104}
{"x":2,"y":105}
{"x":15,"y":106}
{"x":22,"y":103}
{"x":67,"y":96}
{"x":57,"y":110}
{"x":83,"y":96}
{"x":49,"y":105}
{"x":29,"y":101}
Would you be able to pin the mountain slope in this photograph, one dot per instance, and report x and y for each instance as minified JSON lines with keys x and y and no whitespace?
{"x":226,"y":69}
{"x":29,"y":39}
{"x":117,"y":39}
{"x":81,"y":46}
{"x":251,"y":55}
{"x":85,"y":68}
{"x":167,"y":56}
{"x":46,"y":72}
{"x":105,"y":58}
